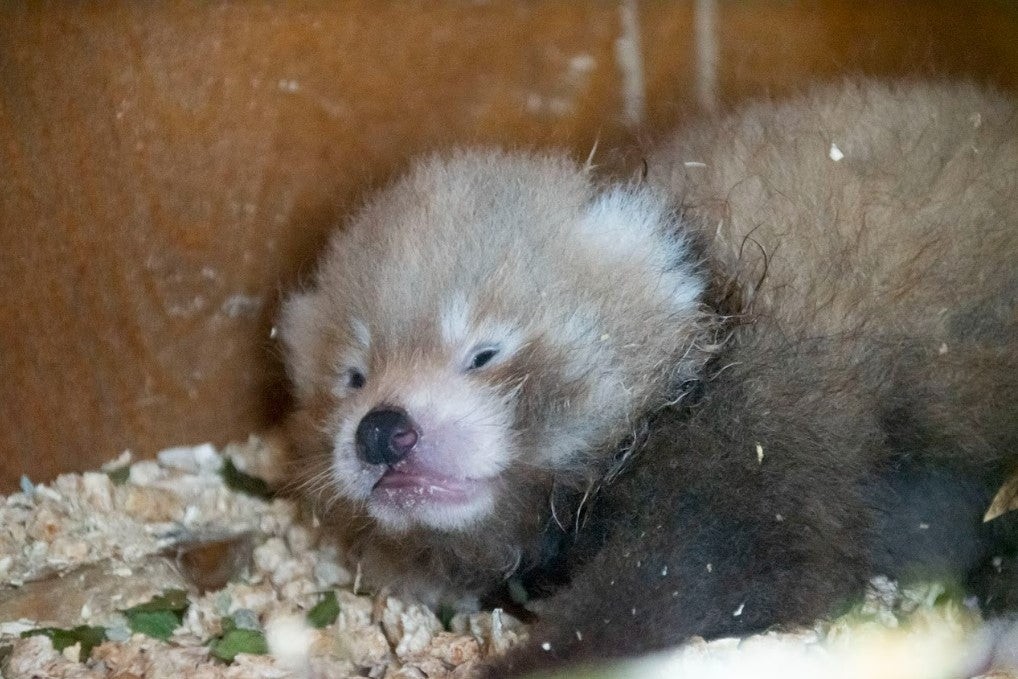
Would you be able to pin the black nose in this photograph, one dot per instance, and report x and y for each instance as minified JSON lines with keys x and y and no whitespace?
{"x":385,"y":436}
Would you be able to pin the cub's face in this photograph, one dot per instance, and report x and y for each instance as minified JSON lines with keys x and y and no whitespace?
{"x":484,"y":327}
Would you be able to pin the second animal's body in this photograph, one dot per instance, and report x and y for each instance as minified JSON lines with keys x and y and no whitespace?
{"x":707,"y":403}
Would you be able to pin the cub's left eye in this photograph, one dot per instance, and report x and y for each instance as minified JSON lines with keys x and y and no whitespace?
{"x":355,"y":379}
{"x":482,"y":357}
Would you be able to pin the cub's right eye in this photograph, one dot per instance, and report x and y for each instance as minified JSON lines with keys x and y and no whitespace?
{"x":355,"y":378}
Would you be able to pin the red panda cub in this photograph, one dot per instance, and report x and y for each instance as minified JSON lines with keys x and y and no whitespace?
{"x":708,"y":402}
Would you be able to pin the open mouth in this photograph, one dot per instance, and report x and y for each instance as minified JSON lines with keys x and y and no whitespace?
{"x":402,"y":498}
{"x":409,"y":486}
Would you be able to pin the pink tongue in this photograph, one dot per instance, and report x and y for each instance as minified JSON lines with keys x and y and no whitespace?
{"x":406,"y":475}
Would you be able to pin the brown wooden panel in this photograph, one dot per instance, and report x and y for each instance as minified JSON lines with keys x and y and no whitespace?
{"x":167,"y":168}
{"x":772,"y":47}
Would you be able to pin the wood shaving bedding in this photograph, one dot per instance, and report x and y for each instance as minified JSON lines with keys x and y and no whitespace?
{"x":84,"y":549}
{"x":267,"y":598}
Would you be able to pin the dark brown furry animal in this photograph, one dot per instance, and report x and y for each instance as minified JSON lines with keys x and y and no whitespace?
{"x":708,"y":403}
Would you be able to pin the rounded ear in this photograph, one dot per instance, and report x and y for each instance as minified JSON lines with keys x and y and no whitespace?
{"x":636,"y":226}
{"x":300,"y":334}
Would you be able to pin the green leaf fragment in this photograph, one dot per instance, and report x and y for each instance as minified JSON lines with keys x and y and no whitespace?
{"x":174,"y":600}
{"x":156,"y":624}
{"x":325,"y":612}
{"x":517,"y":591}
{"x":445,"y":614}
{"x":243,"y":482}
{"x":228,"y":624}
{"x":119,"y":475}
{"x":89,"y":637}
{"x":159,"y":616}
{"x":236,"y":641}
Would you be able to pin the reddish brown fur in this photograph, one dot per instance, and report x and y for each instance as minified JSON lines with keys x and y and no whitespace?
{"x":871,"y":306}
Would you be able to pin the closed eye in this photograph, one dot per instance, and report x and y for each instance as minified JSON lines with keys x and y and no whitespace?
{"x":482,"y":357}
{"x":355,"y":378}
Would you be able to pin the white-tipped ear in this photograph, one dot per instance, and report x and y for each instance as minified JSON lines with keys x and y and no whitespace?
{"x":624,"y":222}
{"x":301,"y":338}
{"x":635,"y":226}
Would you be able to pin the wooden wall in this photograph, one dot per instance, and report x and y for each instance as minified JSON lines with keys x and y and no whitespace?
{"x":168,"y":168}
